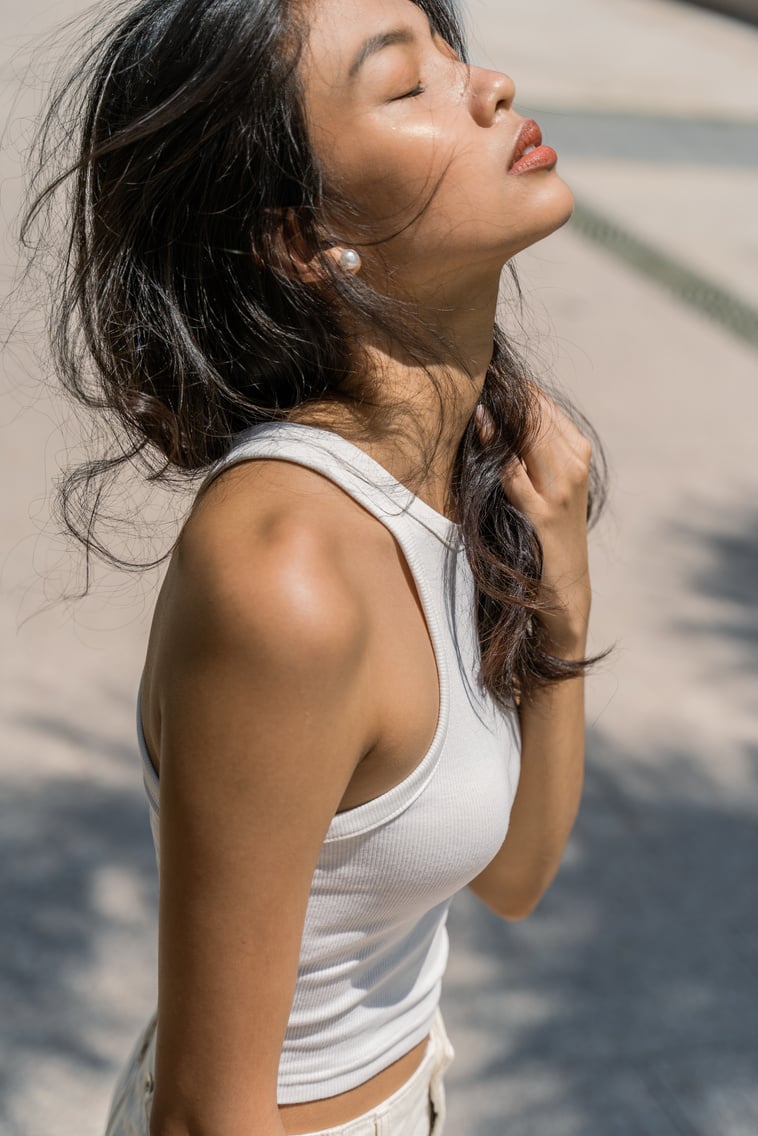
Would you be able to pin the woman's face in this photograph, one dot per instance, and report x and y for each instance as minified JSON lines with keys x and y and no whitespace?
{"x":388,"y":124}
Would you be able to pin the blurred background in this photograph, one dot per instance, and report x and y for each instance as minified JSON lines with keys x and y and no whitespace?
{"x":626,"y":1005}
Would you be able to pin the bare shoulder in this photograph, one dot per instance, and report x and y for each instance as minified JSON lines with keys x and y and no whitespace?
{"x":265,"y":580}
{"x":270,"y":548}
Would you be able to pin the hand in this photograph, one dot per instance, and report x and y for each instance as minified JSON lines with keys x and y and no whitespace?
{"x":549,"y":485}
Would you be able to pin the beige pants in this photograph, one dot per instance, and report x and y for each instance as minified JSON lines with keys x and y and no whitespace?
{"x":417,"y":1108}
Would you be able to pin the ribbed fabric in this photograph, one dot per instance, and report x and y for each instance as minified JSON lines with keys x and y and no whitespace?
{"x":374,"y":944}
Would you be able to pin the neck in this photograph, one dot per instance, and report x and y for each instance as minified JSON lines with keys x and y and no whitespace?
{"x":416,"y":413}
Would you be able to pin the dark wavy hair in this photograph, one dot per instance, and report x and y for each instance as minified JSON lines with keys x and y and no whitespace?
{"x":177,"y":316}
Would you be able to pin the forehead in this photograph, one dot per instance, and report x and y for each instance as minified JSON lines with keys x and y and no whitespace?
{"x":338,"y":29}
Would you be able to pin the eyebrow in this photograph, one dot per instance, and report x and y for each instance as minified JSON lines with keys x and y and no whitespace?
{"x":402,"y":36}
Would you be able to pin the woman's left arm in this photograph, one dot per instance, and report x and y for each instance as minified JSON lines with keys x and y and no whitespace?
{"x":550,"y":487}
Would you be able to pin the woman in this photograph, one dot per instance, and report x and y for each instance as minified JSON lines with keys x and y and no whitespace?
{"x":363,"y":686}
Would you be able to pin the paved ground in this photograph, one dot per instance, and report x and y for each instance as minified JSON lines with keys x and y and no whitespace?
{"x":625,"y":1006}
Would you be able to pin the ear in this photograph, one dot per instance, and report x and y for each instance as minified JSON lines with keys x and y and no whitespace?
{"x":291,"y":254}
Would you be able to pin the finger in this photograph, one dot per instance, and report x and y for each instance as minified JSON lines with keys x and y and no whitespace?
{"x":552,"y":423}
{"x":484,"y":424}
{"x":559,"y":449}
{"x":518,"y":486}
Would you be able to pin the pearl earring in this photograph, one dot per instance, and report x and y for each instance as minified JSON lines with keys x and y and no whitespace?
{"x":350,"y":261}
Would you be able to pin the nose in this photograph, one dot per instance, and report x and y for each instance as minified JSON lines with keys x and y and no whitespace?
{"x":492,"y":93}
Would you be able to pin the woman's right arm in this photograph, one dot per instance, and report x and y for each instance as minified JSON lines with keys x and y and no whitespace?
{"x":263,"y":706}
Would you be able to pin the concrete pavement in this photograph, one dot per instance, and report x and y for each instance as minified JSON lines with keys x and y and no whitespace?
{"x":625,"y":1005}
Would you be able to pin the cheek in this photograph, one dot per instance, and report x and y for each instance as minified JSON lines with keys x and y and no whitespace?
{"x":390,"y":181}
{"x":395,"y":178}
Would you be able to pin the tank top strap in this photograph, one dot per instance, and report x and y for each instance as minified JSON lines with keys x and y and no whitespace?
{"x":348,"y":466}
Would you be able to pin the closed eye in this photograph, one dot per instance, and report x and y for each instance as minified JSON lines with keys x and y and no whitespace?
{"x":412,"y":94}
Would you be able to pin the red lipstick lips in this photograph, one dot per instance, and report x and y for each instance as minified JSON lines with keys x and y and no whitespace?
{"x":540,"y":158}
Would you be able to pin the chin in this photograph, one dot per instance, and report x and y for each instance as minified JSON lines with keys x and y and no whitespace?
{"x":549,"y":212}
{"x":564,"y":200}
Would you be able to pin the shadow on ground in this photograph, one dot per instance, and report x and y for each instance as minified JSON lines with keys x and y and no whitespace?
{"x":79,"y":902}
{"x":724,"y":570}
{"x":625,"y":1004}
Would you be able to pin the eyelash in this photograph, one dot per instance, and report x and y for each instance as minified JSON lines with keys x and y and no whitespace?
{"x":414,"y":93}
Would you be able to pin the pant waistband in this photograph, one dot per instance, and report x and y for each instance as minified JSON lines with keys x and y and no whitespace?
{"x":396,"y":1113}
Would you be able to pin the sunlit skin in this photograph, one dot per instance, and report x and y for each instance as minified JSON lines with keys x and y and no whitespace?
{"x":412,"y":115}
{"x":290,"y":672}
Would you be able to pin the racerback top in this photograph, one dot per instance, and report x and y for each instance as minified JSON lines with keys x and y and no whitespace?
{"x":374,"y":944}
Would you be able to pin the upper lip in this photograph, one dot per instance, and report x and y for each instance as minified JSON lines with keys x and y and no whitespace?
{"x":529,"y":135}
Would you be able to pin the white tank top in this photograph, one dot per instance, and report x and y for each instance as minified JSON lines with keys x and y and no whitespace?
{"x":374,"y":945}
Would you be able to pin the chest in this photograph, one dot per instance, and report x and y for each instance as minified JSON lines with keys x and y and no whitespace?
{"x":427,"y":838}
{"x":437,"y":790}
